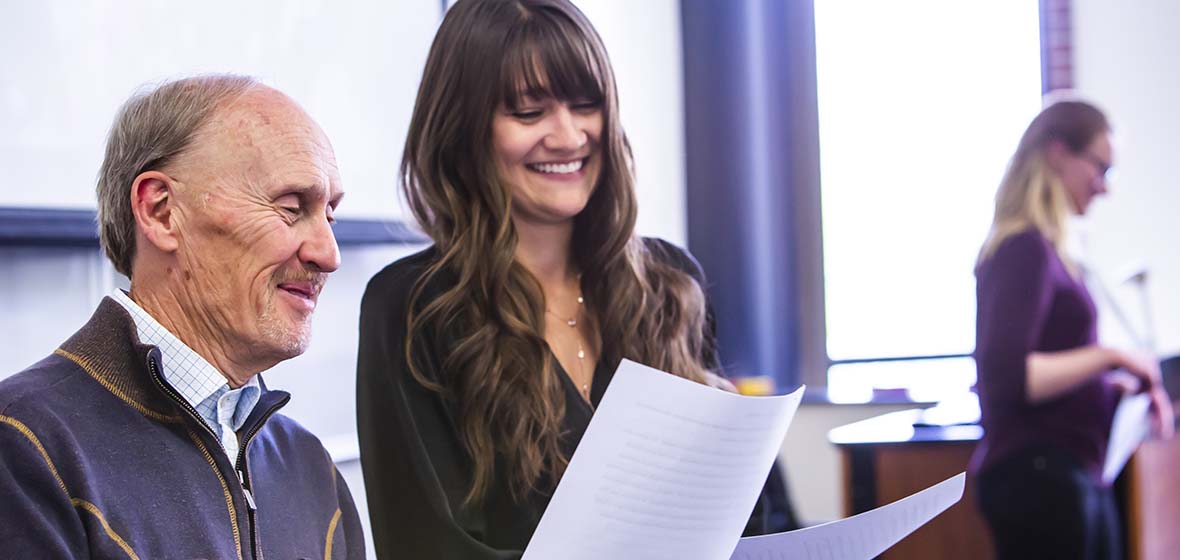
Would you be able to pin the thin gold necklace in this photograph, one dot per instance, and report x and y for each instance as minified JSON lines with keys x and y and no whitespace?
{"x":572,"y":322}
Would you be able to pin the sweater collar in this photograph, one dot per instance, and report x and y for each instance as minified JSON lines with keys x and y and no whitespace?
{"x":108,"y":348}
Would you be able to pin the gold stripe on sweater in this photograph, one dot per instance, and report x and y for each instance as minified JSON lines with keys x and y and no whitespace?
{"x":229,"y":499}
{"x":89,"y":369}
{"x":331,"y":534}
{"x":25,"y":431}
{"x":76,"y":502}
{"x":93,"y":509}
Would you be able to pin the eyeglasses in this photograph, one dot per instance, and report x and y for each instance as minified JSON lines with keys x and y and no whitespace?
{"x":1102,"y":166}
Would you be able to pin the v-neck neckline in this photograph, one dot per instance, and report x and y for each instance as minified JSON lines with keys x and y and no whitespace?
{"x":588,"y":402}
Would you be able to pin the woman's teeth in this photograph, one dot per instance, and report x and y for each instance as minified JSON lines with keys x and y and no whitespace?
{"x":568,"y":167}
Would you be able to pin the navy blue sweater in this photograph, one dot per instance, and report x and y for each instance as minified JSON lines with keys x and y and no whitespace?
{"x":101,"y":458}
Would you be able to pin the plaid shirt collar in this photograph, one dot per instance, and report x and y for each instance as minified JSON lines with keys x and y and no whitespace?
{"x":201,"y":384}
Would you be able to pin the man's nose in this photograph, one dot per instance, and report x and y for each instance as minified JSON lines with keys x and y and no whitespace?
{"x":319,"y":250}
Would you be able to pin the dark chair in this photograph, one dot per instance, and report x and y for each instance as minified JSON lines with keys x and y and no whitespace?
{"x":773,"y":512}
{"x":781,"y":514}
{"x":1170,"y":370}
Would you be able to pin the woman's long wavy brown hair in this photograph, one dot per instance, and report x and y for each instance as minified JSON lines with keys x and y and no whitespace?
{"x":498,"y":374}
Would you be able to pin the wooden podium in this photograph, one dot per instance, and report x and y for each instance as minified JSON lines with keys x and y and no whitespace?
{"x":1152,"y":501}
{"x":887,"y":458}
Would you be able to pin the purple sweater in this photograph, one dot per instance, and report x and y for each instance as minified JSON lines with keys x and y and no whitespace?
{"x":1028,"y":302}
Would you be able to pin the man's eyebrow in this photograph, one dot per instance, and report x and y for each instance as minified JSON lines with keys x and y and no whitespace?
{"x":314,"y":190}
{"x":301,"y":188}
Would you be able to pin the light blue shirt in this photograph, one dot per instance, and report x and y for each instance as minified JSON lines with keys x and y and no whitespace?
{"x":223,"y":409}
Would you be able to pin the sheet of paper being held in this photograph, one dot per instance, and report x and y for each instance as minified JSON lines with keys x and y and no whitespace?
{"x":859,"y":537}
{"x":668,"y":469}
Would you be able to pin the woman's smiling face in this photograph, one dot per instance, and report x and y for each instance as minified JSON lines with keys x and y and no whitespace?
{"x":548,"y":151}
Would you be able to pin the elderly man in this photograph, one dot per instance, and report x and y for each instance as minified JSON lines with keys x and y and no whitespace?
{"x":148,"y":434}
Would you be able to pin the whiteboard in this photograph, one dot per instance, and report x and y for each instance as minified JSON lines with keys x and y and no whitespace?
{"x":68,"y":65}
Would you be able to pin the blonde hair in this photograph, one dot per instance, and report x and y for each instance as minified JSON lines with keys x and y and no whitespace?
{"x":1031,"y":195}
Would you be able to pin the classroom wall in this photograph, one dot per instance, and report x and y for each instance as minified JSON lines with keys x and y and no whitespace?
{"x":69,"y":65}
{"x":355,"y":66}
{"x":1125,"y":57}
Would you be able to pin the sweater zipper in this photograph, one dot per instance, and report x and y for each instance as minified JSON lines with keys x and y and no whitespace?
{"x":184,"y":405}
{"x":244,"y":472}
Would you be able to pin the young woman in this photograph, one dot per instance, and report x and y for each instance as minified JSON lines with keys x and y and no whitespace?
{"x":481,"y":358}
{"x":1046,"y":396}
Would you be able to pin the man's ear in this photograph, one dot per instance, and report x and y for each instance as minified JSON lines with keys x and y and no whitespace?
{"x":153,"y":200}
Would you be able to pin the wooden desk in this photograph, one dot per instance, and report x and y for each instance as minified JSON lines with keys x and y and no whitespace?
{"x":886,"y":458}
{"x":1152,"y":501}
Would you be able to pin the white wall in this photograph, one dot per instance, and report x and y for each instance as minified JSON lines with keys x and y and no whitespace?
{"x":355,"y":66}
{"x":45,"y":295}
{"x":1125,"y":59}
{"x":69,"y":65}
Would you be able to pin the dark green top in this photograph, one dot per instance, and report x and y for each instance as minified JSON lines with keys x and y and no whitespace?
{"x":416,"y":469}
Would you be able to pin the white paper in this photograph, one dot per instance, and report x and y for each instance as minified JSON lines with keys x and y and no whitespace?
{"x":667,"y":469}
{"x":860,"y":537}
{"x":1128,"y":429}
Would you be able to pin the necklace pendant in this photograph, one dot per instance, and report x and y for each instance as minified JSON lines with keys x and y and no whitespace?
{"x":572,"y":322}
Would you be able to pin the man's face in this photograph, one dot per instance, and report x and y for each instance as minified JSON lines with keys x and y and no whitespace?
{"x":256,"y":193}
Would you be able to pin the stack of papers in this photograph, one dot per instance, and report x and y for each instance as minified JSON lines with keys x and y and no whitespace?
{"x":671,"y":469}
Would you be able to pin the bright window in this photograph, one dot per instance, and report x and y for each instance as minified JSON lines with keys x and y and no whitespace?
{"x":921,"y":102}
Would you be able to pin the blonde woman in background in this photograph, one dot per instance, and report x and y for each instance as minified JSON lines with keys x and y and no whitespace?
{"x":1046,"y":397}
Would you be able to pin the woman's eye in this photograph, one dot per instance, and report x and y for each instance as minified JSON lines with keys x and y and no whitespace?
{"x":528,"y":114}
{"x":586,"y":106}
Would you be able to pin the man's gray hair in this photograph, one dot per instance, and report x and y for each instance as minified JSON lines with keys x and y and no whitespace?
{"x":151,"y":130}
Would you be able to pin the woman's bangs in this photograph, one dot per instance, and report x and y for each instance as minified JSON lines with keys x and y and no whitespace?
{"x":551,"y":58}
